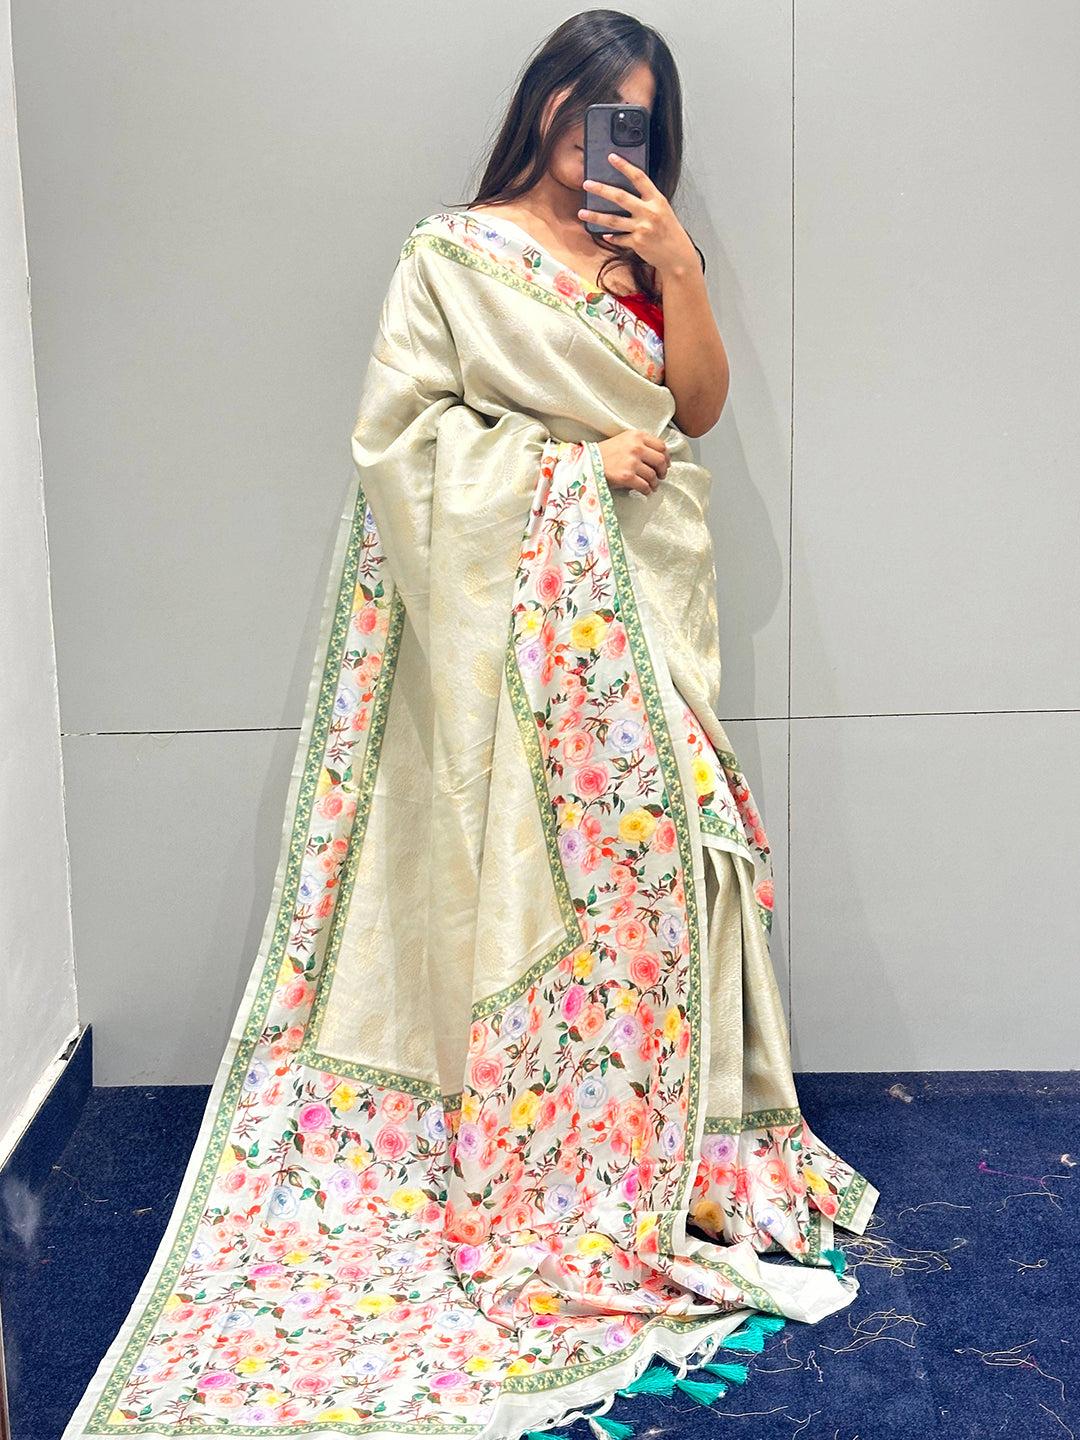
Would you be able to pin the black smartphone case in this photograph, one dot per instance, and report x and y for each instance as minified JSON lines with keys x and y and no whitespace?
{"x":598,"y":145}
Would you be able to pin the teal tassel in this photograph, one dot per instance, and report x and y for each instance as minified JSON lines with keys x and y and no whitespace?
{"x":657,"y":1380}
{"x":768,"y":1324}
{"x":837,"y":1259}
{"x":705,"y":1392}
{"x":738,"y":1373}
{"x":613,"y":1428}
{"x":537,"y":1435}
{"x":748,"y":1338}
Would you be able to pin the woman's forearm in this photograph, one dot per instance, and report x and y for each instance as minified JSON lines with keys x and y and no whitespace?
{"x":695,"y":361}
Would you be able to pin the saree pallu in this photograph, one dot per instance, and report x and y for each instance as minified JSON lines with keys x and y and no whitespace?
{"x":507,"y":1108}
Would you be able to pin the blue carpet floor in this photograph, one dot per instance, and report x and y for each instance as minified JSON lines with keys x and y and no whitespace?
{"x":967,"y":1323}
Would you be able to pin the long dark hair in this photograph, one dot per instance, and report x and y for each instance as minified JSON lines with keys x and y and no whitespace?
{"x":592,"y":52}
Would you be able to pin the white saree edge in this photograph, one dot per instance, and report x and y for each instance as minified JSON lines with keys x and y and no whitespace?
{"x":516,"y":1414}
{"x":826,"y":1234}
{"x":863,"y":1210}
{"x":74,"y":1430}
{"x":805,"y":1291}
{"x":720,"y":842}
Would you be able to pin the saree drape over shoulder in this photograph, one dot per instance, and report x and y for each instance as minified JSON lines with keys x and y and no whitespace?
{"x":507,"y":1108}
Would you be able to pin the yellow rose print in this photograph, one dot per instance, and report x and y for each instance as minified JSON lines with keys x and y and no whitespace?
{"x":524,"y":1110}
{"x":530,"y":624}
{"x":583,"y":964}
{"x":646,"y":1224}
{"x":625,"y":999}
{"x":672,"y":1023}
{"x":637,"y":825}
{"x":588,"y":632}
{"x":407,"y":1201}
{"x":814,"y":1181}
{"x":374,"y":1304}
{"x":594,"y":1244}
{"x":704,"y":776}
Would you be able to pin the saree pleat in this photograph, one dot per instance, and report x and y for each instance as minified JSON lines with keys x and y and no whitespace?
{"x":507,"y":1108}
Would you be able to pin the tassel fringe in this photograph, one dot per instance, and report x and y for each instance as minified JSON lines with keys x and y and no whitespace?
{"x":837,"y":1259}
{"x":753,"y":1334}
{"x":705,"y":1392}
{"x":749,"y":1338}
{"x":738,"y":1373}
{"x":657,"y":1379}
{"x":605,"y":1429}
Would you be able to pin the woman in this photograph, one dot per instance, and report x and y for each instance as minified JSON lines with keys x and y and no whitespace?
{"x":507,"y":1108}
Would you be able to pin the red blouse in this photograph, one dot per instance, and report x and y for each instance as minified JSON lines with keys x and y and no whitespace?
{"x":646,"y":309}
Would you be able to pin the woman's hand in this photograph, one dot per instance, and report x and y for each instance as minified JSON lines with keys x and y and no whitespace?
{"x":652,"y":228}
{"x":634,"y":460}
{"x":696,"y":367}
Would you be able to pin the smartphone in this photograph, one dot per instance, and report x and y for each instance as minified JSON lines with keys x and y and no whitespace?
{"x":624,"y":129}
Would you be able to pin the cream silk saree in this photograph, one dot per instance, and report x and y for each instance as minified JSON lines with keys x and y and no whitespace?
{"x":507,"y":1108}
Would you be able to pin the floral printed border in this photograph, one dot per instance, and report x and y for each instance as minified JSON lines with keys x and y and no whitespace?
{"x":533,"y":272}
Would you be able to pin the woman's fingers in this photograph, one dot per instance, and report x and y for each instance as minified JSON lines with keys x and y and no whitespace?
{"x":618,"y":193}
{"x":601,"y":217}
{"x":641,"y":178}
{"x":635,"y":460}
{"x":655,"y":452}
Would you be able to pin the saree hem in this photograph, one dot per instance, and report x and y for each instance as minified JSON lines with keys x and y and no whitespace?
{"x":687,"y":1346}
{"x":860,"y":1216}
